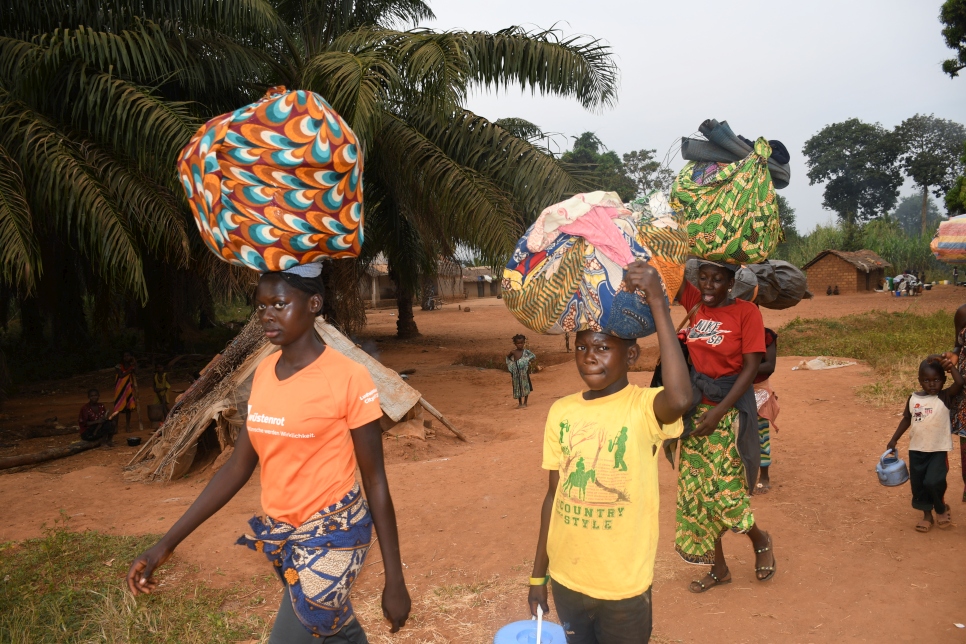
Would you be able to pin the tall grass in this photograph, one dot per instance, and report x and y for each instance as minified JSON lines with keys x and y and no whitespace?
{"x":893,"y":344}
{"x":68,"y":587}
{"x":882,"y":236}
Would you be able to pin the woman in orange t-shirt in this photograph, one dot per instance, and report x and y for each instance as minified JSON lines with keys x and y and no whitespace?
{"x":313,"y":415}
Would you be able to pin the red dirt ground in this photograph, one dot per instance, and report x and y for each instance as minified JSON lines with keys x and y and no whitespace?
{"x":851,"y":568}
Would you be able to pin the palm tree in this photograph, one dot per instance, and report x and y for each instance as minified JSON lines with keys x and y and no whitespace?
{"x":97,"y":98}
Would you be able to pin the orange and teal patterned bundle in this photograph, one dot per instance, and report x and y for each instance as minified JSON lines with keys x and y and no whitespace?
{"x":949,"y":244}
{"x":277,"y":183}
{"x":730,"y":209}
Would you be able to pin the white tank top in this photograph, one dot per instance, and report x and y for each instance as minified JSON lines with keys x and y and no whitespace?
{"x":930,"y":430}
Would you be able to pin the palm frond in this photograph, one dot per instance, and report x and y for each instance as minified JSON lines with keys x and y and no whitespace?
{"x":133,"y":119}
{"x":356,"y":85}
{"x":520,"y":128}
{"x":63,"y":185}
{"x":19,"y":254}
{"x":239,"y":17}
{"x":544,"y":61}
{"x":155,"y":216}
{"x":445,"y":200}
{"x":534,"y":178}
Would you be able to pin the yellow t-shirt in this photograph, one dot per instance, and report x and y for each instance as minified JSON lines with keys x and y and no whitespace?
{"x":603,"y":529}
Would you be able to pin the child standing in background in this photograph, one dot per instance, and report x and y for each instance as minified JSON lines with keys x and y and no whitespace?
{"x":518,"y":363}
{"x":161,"y":387}
{"x":927,"y":412}
{"x":768,"y":409}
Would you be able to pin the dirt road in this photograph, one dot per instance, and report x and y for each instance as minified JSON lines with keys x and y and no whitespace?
{"x":851,"y":568}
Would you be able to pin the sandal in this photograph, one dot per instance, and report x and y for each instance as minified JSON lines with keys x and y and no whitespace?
{"x":924,"y":525}
{"x":769,"y":569}
{"x":698,"y":586}
{"x":762,"y":488}
{"x":944,"y":520}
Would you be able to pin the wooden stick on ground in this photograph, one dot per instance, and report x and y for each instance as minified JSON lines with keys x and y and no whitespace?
{"x":46,"y":455}
{"x":432,"y":410}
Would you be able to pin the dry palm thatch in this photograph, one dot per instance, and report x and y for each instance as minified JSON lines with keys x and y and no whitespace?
{"x":192,"y":414}
{"x":220,"y":396}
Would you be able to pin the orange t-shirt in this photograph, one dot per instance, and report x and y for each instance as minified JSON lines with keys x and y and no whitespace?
{"x":300,"y":429}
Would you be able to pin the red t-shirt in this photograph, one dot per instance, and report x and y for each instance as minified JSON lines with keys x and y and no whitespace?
{"x":718,"y":337}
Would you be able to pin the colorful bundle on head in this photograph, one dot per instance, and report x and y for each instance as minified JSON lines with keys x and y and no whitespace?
{"x":277,"y":183}
{"x":730,"y":208}
{"x":949,"y":244}
{"x":567,"y":272}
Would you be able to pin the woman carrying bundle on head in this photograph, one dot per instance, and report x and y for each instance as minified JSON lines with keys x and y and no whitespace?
{"x":125,"y":388}
{"x":313,"y":416}
{"x":720,"y":450}
{"x":518,"y":363}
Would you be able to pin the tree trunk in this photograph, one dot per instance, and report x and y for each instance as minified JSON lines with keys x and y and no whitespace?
{"x":925,"y":207}
{"x":406,"y":324}
{"x":46,"y":455}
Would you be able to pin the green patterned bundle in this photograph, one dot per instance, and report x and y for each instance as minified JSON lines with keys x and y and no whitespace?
{"x":732,"y":216}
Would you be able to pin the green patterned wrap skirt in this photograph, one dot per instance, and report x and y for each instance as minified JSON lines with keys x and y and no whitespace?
{"x":712,"y":491}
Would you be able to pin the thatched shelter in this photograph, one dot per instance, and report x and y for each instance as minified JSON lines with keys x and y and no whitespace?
{"x":218,"y":403}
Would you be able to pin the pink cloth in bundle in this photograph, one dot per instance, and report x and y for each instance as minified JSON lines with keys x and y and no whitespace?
{"x":598,"y":229}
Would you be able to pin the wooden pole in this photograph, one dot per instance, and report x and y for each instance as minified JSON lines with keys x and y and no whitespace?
{"x":137,"y":403}
{"x":46,"y":455}
{"x":432,"y":410}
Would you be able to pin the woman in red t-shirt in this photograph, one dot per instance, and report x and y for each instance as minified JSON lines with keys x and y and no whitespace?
{"x":720,"y":449}
{"x":313,"y":416}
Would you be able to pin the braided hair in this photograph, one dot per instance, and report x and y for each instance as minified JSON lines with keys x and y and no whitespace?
{"x":519,"y":336}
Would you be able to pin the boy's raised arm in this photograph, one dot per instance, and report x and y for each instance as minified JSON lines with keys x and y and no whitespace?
{"x":675,"y":400}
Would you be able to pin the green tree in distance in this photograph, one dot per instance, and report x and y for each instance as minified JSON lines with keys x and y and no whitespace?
{"x":786,"y":214}
{"x":857,"y":162}
{"x":956,"y":197}
{"x":953,"y":17}
{"x":603,"y":167}
{"x":646,"y":171}
{"x":930,"y":156}
{"x":908,"y":214}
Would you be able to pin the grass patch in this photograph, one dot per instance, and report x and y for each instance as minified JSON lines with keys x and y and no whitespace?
{"x":69,"y":587}
{"x":893,"y":344}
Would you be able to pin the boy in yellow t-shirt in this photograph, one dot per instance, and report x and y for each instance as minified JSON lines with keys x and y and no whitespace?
{"x":599,"y":527}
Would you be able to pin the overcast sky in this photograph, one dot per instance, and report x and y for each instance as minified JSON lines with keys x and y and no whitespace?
{"x":778,"y":69}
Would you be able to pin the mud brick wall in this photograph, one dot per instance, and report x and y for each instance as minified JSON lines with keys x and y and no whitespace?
{"x":834,"y":271}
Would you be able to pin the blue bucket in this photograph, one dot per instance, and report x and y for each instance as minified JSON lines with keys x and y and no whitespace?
{"x":525,"y":632}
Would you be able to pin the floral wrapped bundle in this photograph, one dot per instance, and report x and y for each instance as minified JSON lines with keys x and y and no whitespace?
{"x":567,"y":272}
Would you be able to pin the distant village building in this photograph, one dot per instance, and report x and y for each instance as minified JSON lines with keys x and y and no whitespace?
{"x":452,"y":282}
{"x":480,"y":281}
{"x":852,"y":272}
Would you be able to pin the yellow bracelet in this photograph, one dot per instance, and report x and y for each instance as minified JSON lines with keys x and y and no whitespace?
{"x":539,"y":581}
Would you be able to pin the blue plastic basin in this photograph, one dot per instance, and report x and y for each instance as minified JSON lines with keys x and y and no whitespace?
{"x":525,"y":632}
